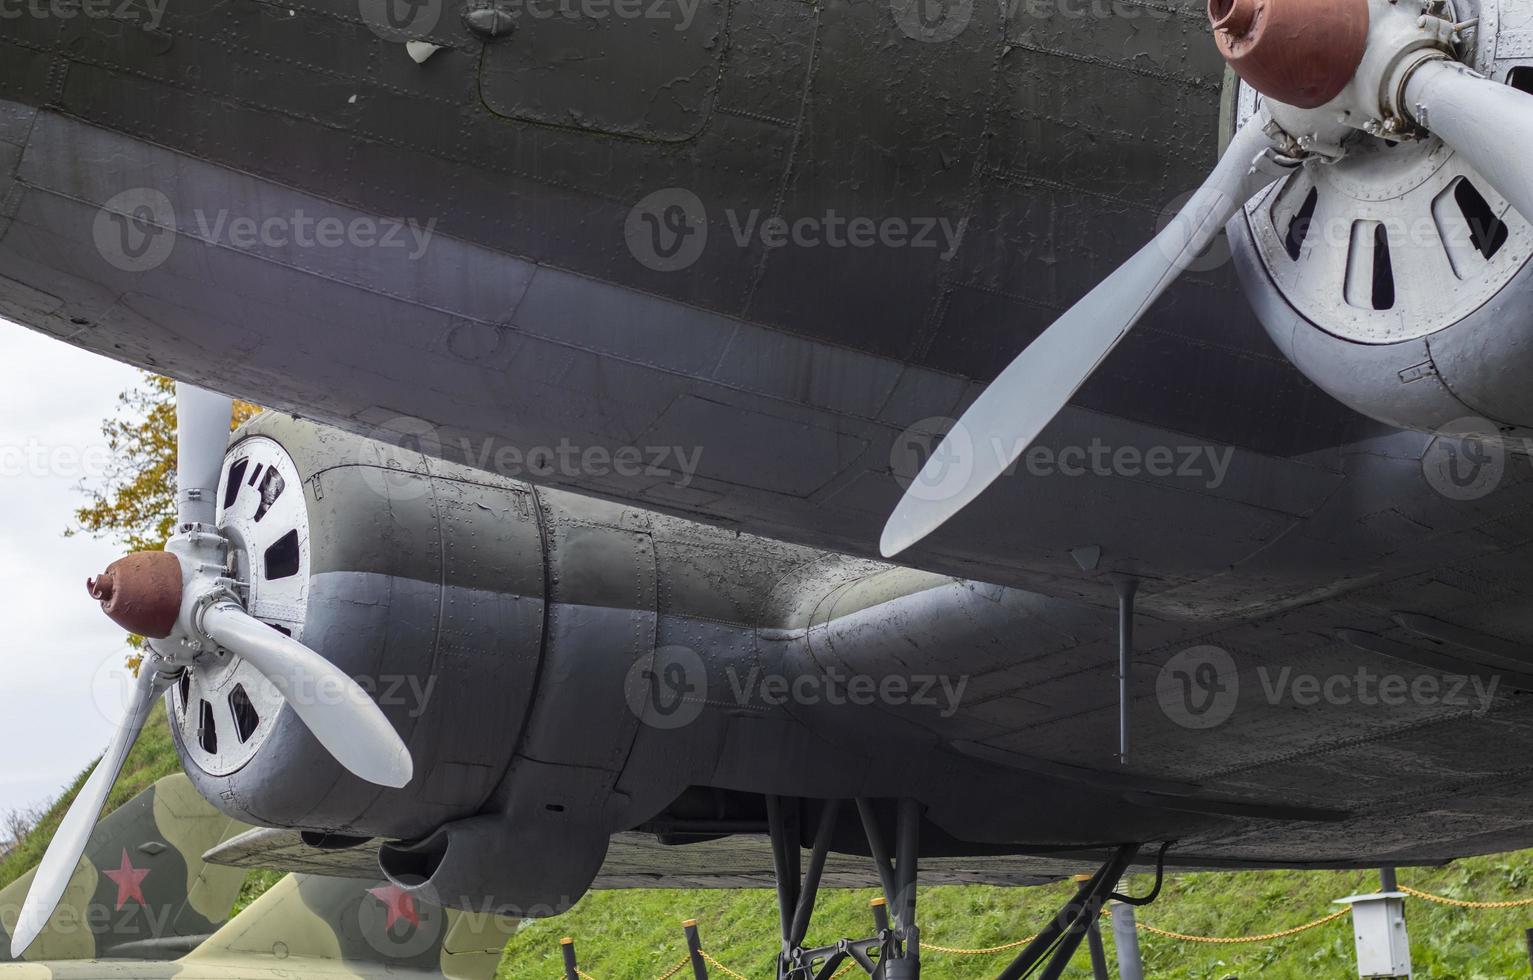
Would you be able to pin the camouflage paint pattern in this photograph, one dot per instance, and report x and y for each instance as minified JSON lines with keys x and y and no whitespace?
{"x":310,"y":926}
{"x":142,"y":890}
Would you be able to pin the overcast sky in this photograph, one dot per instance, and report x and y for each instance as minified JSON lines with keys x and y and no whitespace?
{"x":60,"y":691}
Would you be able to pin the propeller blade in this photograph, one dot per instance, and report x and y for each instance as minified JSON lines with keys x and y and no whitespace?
{"x":1006,"y":418}
{"x":347,"y":722}
{"x":202,"y":437}
{"x":1489,"y":123}
{"x":69,"y":841}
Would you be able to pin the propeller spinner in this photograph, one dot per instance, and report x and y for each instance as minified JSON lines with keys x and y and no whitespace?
{"x":186,"y":602}
{"x":1330,"y":71}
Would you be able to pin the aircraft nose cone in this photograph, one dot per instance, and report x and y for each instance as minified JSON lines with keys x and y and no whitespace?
{"x":1299,"y":52}
{"x":141,"y":593}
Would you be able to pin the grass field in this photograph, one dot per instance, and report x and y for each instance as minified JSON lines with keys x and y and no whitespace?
{"x":636,"y":935}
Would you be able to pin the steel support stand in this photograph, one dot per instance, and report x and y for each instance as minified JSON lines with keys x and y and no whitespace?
{"x":1127,"y":589}
{"x":1056,"y":944}
{"x":1125,"y":937}
{"x":1098,"y":951}
{"x":894,"y":952}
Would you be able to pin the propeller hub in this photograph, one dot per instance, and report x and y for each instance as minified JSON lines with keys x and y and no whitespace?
{"x":141,"y":593}
{"x":1298,"y":52}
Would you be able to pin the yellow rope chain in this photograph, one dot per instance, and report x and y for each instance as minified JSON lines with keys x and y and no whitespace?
{"x":1163,"y":933}
{"x":1461,"y":904}
{"x":721,"y":966}
{"x":1232,"y":940}
{"x":986,"y":951}
{"x":676,"y":969}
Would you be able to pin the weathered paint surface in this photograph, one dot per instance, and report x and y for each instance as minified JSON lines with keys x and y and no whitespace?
{"x":143,"y":889}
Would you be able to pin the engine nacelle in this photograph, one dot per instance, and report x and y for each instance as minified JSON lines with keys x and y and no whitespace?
{"x":424,"y":581}
{"x":564,"y":668}
{"x":1397,"y":279}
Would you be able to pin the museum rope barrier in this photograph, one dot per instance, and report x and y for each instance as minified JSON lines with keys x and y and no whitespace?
{"x":1143,"y":927}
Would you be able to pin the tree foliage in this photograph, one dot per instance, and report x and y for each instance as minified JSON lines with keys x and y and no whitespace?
{"x":135,"y":503}
{"x":136,"y":500}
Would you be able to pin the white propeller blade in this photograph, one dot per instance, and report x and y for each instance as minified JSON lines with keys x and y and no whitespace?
{"x":347,"y":722}
{"x":1006,"y":418}
{"x":1489,"y":123}
{"x":69,"y":841}
{"x":202,"y":437}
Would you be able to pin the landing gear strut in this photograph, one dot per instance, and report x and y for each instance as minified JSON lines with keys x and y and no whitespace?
{"x":1057,"y":943}
{"x":897,"y":943}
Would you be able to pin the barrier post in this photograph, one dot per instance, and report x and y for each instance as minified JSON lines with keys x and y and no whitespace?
{"x":695,"y":950}
{"x":1125,"y":934}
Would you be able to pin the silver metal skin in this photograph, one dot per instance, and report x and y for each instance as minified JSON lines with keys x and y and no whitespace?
{"x":1490,"y":124}
{"x":1408,"y":69}
{"x":1005,"y":420}
{"x":1126,"y":938}
{"x":213,"y":626}
{"x":201,"y":434}
{"x":335,"y":709}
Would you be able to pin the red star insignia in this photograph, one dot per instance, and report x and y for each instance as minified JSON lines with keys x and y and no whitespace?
{"x":130,"y":881}
{"x":399,"y":903}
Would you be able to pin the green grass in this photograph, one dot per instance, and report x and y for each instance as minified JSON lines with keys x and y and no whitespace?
{"x":636,"y":935}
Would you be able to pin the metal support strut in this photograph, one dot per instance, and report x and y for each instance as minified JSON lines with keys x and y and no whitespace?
{"x":1127,"y":589}
{"x":1057,"y":943}
{"x":893,"y":953}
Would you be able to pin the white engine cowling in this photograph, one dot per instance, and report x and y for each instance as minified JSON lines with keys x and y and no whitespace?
{"x":1397,"y":279}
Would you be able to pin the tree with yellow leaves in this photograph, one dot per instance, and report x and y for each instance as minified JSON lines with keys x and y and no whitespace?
{"x":136,"y":502}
